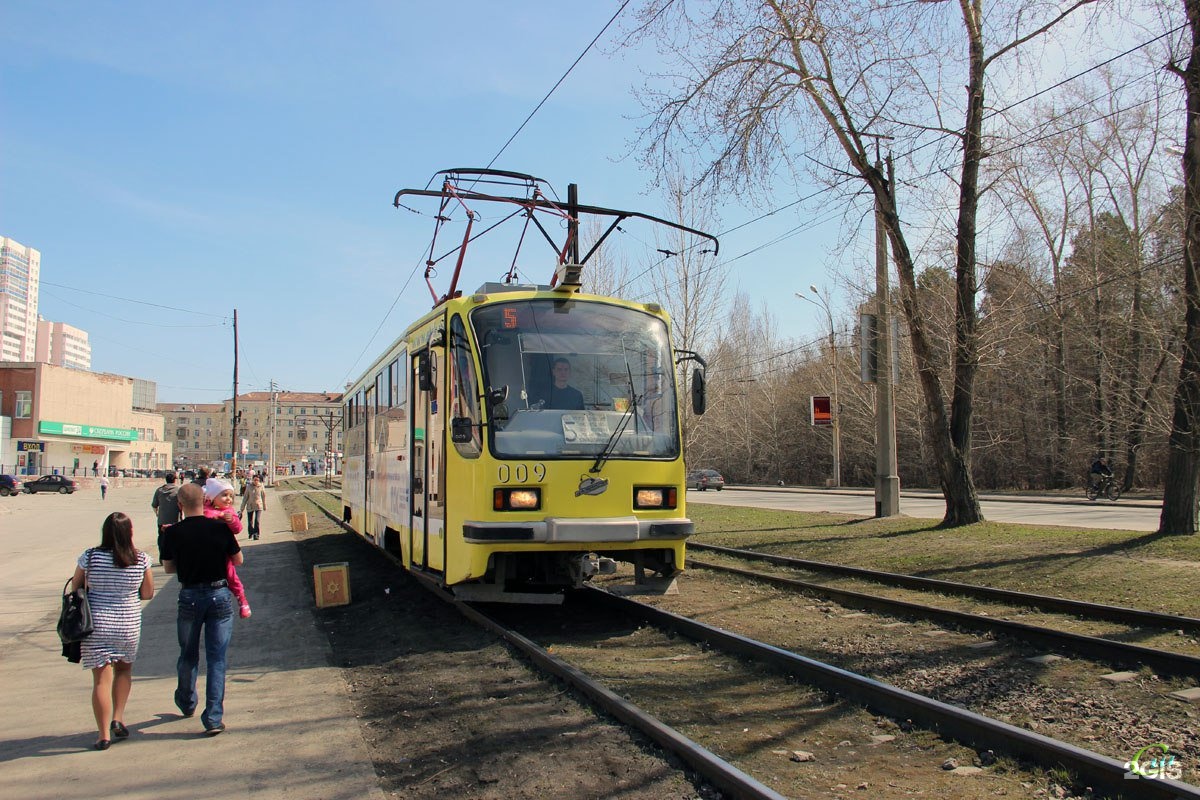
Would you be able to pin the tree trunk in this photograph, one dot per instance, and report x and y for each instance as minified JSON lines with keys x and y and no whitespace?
{"x":1183,"y":460}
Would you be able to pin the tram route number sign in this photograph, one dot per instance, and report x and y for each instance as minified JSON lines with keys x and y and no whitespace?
{"x":585,"y":428}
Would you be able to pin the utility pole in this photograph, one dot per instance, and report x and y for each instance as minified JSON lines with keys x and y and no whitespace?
{"x":233,"y":449}
{"x":271,"y":456}
{"x":330,"y":420}
{"x":887,"y":482}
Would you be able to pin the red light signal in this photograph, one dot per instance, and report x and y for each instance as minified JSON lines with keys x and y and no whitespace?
{"x":820,"y":410}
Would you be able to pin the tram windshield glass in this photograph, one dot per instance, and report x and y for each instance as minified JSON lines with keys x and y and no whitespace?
{"x":570,"y":378}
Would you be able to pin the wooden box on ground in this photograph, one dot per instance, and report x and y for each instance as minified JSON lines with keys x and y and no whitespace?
{"x":300,"y":522}
{"x":331,"y":584}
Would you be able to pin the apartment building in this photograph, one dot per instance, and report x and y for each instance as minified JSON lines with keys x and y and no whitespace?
{"x":20,"y":270}
{"x":303,"y":422}
{"x":63,"y":345}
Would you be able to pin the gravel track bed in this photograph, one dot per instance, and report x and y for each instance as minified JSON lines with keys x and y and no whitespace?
{"x":1175,"y":640}
{"x":448,"y":712}
{"x":1065,"y":699}
{"x":798,"y":740}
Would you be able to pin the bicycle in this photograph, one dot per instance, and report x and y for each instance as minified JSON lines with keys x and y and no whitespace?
{"x":1105,"y":487}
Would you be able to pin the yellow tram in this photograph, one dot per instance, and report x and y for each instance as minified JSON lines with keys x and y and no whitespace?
{"x":519,"y":440}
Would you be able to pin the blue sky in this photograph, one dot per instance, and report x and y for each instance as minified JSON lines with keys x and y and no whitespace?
{"x":212,"y":156}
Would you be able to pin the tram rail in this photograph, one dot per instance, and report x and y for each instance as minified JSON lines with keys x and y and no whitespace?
{"x":720,"y":773}
{"x":975,"y":730}
{"x":1096,"y":648}
{"x":1100,"y":772}
{"x":1082,"y":608}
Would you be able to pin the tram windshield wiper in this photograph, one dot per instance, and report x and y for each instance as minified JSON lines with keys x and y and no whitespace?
{"x":622,"y":424}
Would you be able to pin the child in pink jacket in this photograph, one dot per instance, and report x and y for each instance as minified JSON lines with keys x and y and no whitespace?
{"x":218,"y":504}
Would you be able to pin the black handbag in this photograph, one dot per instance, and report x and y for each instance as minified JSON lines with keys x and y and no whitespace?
{"x":75,"y":619}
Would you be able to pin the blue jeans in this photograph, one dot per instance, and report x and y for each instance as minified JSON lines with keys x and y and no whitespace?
{"x":212,"y":611}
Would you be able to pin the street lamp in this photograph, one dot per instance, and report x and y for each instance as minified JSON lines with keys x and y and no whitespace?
{"x":822,"y":302}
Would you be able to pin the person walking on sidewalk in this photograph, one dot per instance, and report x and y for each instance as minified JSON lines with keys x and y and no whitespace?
{"x":254,"y":502}
{"x":103,"y":487}
{"x":197,"y":549}
{"x":218,"y":504}
{"x":118,"y":578}
{"x":166,"y":504}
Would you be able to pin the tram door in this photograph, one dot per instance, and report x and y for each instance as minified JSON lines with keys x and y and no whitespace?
{"x":428,"y":520}
{"x":368,"y":461}
{"x":419,"y":420}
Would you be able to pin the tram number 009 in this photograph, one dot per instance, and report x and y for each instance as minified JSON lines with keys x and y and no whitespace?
{"x":520,"y":473}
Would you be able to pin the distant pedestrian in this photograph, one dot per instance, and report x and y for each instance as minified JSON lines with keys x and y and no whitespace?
{"x":95,"y":468}
{"x":254,"y":502}
{"x":198,"y":549}
{"x":117,"y":577}
{"x":103,"y":487}
{"x":166,"y":504}
{"x":202,"y":476}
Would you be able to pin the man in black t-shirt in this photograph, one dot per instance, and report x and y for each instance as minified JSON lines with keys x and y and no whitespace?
{"x":561,"y":394}
{"x":198,"y":550}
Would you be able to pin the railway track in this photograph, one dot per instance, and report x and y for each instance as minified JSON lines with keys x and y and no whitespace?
{"x":1097,"y":648}
{"x":1098,"y":611}
{"x":982,"y":733}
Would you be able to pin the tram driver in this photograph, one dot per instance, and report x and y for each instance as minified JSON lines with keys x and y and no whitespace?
{"x":561,"y":394}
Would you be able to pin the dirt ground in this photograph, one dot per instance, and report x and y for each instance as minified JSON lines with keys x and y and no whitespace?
{"x":448,"y":711}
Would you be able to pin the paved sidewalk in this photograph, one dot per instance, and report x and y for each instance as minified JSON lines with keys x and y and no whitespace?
{"x":292,"y":733}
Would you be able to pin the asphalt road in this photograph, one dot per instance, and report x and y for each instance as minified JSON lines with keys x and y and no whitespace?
{"x":1129,"y":515}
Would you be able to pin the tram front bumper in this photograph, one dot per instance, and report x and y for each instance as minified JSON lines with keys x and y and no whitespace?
{"x":568,"y":530}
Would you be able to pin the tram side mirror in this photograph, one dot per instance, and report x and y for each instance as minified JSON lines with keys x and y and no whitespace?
{"x":698,"y":392}
{"x":424,"y":373}
{"x":497,"y":396}
{"x":461,"y":430}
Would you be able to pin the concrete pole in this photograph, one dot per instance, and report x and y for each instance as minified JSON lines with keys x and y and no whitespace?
{"x":887,"y":482}
{"x":271,"y":459}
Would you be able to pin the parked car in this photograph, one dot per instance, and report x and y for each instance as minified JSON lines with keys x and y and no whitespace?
{"x":51,"y":483}
{"x":703,"y":479}
{"x":9,"y":484}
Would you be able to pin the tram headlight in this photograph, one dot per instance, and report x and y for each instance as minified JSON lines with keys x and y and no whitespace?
{"x":516,"y":499}
{"x":655,"y":497}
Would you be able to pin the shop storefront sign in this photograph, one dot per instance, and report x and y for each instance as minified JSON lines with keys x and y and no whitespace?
{"x":87,"y":431}
{"x":31,"y":447}
{"x":95,"y":449}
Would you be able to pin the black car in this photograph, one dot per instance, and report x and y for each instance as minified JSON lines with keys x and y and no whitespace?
{"x":51,"y":483}
{"x":9,"y":484}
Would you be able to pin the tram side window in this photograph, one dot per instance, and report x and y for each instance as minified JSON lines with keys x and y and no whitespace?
{"x":399,"y":384}
{"x":464,"y":392}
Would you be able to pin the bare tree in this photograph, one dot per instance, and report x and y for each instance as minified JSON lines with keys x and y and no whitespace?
{"x":755,"y":75}
{"x":1179,"y":513}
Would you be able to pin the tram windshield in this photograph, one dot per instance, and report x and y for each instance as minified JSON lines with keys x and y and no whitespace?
{"x":570,"y":378}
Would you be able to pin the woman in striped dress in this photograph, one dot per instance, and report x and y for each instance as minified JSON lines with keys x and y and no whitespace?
{"x":118,"y":578}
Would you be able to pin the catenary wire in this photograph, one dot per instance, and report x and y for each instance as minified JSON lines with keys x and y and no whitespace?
{"x":521,"y":127}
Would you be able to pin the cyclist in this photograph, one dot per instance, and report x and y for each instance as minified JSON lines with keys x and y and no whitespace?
{"x":1100,"y":470}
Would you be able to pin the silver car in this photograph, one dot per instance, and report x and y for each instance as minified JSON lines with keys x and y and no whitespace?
{"x":703,"y":479}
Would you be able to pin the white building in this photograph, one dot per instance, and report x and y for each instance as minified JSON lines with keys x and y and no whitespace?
{"x":20,"y":267}
{"x":63,"y":345}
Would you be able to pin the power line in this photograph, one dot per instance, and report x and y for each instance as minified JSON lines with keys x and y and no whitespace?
{"x":489,"y":164}
{"x":130,"y":300}
{"x":558,"y":83}
{"x":130,"y":321}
